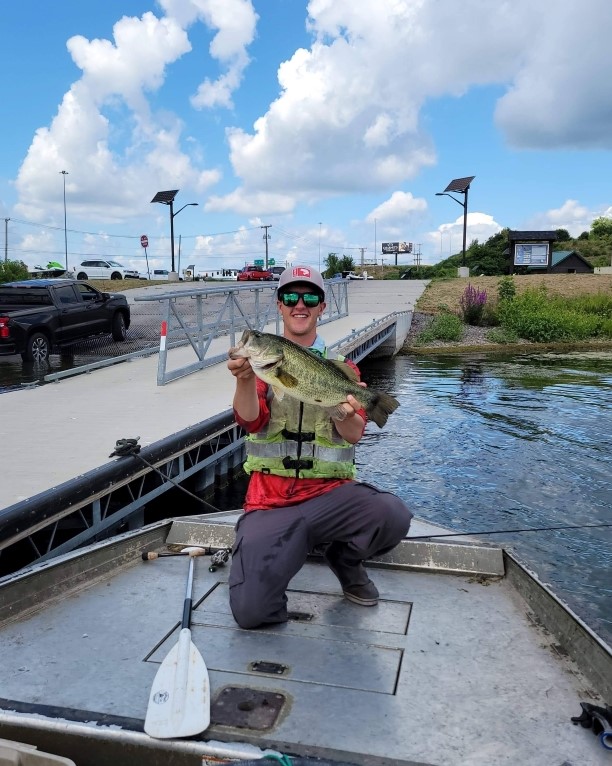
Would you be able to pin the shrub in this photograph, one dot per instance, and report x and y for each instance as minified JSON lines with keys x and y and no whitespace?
{"x":490,"y":315}
{"x":502,"y":335}
{"x":445,"y":326}
{"x":472,"y":304}
{"x":537,"y":318}
{"x":11,"y":271}
{"x":506,"y":289}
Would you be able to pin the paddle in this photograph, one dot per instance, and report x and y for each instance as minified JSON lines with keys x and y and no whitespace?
{"x":179,"y":703}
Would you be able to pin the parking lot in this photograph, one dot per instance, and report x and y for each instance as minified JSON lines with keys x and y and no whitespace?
{"x":143,"y":333}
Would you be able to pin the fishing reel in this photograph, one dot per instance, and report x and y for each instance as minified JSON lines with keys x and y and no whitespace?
{"x":219,"y":559}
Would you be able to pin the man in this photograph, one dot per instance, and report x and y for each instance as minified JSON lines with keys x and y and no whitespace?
{"x":302,"y":492}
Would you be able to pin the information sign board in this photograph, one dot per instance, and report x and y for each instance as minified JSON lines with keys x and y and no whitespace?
{"x":531,"y":254}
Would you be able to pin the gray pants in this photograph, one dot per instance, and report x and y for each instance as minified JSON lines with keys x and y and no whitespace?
{"x":271,"y":546}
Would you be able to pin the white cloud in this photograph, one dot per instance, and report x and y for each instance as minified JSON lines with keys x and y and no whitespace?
{"x":348,"y":116}
{"x":448,"y":238}
{"x":397,"y":208}
{"x":235,"y":21}
{"x":561,"y":95}
{"x":572,"y":216}
{"x":249,"y":204}
{"x":117,"y":153}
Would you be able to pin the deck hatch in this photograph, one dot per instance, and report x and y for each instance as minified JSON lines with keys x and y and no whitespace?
{"x":343,"y":645}
{"x":245,"y":708}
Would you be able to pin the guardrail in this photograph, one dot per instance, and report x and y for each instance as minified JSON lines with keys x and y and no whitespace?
{"x":188,"y":320}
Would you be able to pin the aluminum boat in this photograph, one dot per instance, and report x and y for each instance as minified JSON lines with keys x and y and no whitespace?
{"x":467,"y":660}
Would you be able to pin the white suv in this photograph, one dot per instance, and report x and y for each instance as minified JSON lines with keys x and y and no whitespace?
{"x":96,"y":269}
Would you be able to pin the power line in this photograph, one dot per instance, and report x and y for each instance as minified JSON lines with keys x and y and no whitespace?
{"x":127,"y":236}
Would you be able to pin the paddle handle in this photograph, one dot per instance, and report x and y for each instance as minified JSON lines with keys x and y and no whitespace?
{"x":194,"y":551}
{"x":188,"y":596}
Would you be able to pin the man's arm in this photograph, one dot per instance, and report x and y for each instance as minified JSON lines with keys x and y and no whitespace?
{"x":246,"y":401}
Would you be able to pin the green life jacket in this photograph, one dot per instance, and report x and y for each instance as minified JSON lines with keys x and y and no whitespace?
{"x":300,"y":441}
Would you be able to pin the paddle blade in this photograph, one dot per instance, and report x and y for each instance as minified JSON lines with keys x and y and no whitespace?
{"x":179,"y":703}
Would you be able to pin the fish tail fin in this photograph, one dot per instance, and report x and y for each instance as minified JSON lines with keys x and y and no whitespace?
{"x":380,"y":407}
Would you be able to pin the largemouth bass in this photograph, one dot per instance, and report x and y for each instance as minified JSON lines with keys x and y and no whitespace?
{"x":297,"y":372}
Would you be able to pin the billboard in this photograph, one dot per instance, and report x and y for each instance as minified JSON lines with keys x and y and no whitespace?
{"x":531,"y":254}
{"x":397,"y":247}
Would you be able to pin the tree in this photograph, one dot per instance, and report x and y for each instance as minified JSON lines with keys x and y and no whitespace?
{"x":11,"y":271}
{"x":335,"y":264}
{"x":563,"y":235}
{"x":601,"y":227}
{"x":332,"y":265}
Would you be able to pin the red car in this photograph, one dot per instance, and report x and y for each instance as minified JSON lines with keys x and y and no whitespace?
{"x":254,"y":273}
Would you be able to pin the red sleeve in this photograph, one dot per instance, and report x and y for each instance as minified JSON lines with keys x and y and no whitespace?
{"x":262,"y":419}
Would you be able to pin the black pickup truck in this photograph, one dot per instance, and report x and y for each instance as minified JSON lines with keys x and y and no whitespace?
{"x":37,"y":315}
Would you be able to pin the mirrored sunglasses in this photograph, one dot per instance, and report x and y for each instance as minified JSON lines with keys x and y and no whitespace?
{"x":292,"y":299}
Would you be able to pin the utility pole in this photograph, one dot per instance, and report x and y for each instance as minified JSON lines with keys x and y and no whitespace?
{"x":6,"y":220}
{"x":64,"y":174}
{"x":362,"y":249}
{"x":266,"y":236}
{"x":417,"y":257}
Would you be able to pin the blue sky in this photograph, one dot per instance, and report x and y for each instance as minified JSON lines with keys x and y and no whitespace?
{"x":334,"y":122}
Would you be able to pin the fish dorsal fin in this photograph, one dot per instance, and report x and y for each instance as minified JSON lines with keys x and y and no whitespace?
{"x":345,"y":369}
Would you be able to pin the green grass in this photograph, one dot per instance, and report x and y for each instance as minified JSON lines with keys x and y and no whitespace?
{"x":444,"y":326}
{"x":539,"y":318}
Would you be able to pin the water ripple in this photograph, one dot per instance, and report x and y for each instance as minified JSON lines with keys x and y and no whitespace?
{"x":484,"y":443}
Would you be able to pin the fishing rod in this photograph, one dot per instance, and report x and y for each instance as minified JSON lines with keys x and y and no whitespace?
{"x":130,"y":447}
{"x":509,"y":531}
{"x":125,"y":447}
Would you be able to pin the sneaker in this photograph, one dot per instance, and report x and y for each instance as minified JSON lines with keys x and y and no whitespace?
{"x":349,"y":573}
{"x":364,"y":595}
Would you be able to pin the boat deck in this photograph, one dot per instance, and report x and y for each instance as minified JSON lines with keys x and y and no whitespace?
{"x":448,"y":669}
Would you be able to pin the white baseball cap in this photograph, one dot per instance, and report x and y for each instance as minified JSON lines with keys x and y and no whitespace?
{"x":303,"y":274}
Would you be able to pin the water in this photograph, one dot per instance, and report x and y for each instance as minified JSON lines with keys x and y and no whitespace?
{"x":484,"y":443}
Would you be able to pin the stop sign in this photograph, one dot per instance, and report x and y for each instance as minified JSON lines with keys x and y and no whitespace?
{"x":144,"y":240}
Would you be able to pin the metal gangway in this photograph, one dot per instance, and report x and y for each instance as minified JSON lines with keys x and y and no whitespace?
{"x":197,"y":316}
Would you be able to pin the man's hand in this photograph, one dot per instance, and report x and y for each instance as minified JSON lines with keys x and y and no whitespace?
{"x":352,"y":425}
{"x":240,"y":368}
{"x":347,"y":409}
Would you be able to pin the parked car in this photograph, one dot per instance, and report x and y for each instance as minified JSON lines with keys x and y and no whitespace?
{"x":37,"y":315}
{"x":254,"y":273}
{"x":98,"y":269}
{"x":276,"y":272}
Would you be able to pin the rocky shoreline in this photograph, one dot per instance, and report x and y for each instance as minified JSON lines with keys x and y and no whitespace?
{"x":474,"y":338}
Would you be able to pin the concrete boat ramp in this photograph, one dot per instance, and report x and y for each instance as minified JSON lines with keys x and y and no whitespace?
{"x":465,"y":661}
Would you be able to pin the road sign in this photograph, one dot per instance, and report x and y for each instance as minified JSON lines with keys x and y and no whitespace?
{"x":144,"y":240}
{"x":271,"y":262}
{"x":258,"y":262}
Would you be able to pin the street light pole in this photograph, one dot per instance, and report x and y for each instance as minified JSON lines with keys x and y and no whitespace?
{"x":65,"y":173}
{"x":172,"y":216}
{"x":167,"y":198}
{"x":460,"y":186}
